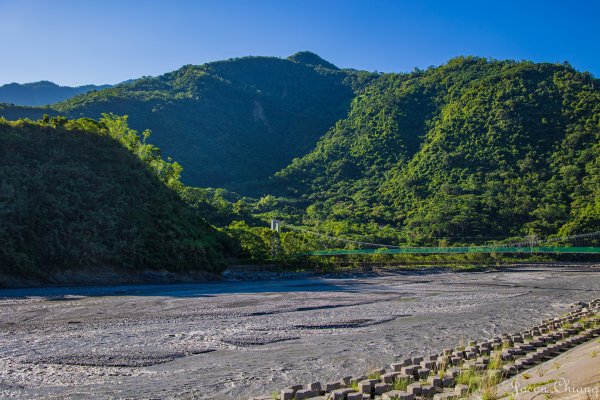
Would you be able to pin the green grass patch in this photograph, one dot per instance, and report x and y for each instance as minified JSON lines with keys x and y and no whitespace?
{"x":401,"y":384}
{"x":532,"y":386}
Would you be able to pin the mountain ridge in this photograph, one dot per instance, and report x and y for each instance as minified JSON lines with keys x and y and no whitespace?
{"x":41,"y":92}
{"x":232,"y":123}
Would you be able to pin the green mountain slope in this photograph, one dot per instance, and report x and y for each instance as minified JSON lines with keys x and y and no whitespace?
{"x":41,"y":93}
{"x":474,"y":149}
{"x":471,"y":148}
{"x":230,"y":123}
{"x":82,"y":194}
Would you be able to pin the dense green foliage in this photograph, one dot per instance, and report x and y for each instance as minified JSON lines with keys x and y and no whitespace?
{"x":474,"y":148}
{"x":472,"y":151}
{"x":230,"y":123}
{"x":80,"y":193}
{"x":41,"y":93}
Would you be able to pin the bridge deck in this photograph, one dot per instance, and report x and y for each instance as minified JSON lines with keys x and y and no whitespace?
{"x":460,"y":250}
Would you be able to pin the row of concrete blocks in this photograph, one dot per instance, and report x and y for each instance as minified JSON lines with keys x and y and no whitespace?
{"x":437,"y":386}
{"x":442,"y":387}
{"x":524,"y":349}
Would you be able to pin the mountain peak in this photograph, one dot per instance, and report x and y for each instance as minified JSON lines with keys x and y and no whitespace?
{"x":41,"y":84}
{"x":310,"y":58}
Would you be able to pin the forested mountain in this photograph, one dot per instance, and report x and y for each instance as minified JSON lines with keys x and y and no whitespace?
{"x":41,"y":93}
{"x":230,"y":123}
{"x":80,"y":194}
{"x":474,"y":148}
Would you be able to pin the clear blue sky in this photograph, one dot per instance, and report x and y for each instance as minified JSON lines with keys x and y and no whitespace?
{"x":91,"y":41}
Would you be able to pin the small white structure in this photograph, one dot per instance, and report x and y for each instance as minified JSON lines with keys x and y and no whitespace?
{"x":276,"y":225}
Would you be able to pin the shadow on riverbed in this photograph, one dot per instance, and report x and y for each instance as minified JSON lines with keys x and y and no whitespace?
{"x":187,"y":290}
{"x":297,"y":284}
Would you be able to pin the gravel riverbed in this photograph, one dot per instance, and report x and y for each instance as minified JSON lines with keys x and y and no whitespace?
{"x":236,"y":339}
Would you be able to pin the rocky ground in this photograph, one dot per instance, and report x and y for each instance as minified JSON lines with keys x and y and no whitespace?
{"x":245,"y":338}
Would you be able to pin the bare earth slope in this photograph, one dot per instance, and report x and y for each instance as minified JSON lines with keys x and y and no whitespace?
{"x":238,"y":339}
{"x":574,"y":375}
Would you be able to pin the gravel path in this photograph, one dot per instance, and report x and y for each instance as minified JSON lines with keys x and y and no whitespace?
{"x":238,"y":339}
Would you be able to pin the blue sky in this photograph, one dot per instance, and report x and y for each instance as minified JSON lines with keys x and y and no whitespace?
{"x":91,"y":41}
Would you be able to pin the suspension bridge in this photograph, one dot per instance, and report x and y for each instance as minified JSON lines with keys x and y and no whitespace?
{"x":585,"y":243}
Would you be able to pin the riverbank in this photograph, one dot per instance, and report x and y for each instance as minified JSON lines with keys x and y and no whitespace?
{"x":108,"y":276}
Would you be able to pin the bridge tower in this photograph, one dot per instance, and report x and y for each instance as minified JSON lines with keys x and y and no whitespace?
{"x":276,"y":225}
{"x":275,"y":241}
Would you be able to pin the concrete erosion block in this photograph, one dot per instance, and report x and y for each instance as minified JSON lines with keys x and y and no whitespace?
{"x":524,"y":347}
{"x":516,"y":339}
{"x":339,"y":394}
{"x":507,"y":355}
{"x":509,"y":370}
{"x":428,"y":390}
{"x":397,"y":395}
{"x":331,"y":386}
{"x":448,"y":381}
{"x":345,"y":381}
{"x":453,"y":372}
{"x":314,"y":386}
{"x":435,"y":381}
{"x":409,"y":378}
{"x":381,"y":388}
{"x":461,"y":389}
{"x":355,"y":380}
{"x":367,"y":385}
{"x":520,"y":364}
{"x":479,"y":366}
{"x":424,"y":373}
{"x":417,"y":360}
{"x":397,"y":366}
{"x":304,"y":394}
{"x":389,"y":377}
{"x":354,"y":396}
{"x":287,"y":394}
{"x":414,"y":388}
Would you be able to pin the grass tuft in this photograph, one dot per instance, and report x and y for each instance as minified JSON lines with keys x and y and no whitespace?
{"x":401,"y":384}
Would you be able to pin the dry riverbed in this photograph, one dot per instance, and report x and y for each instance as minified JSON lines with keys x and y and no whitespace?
{"x":238,"y":339}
